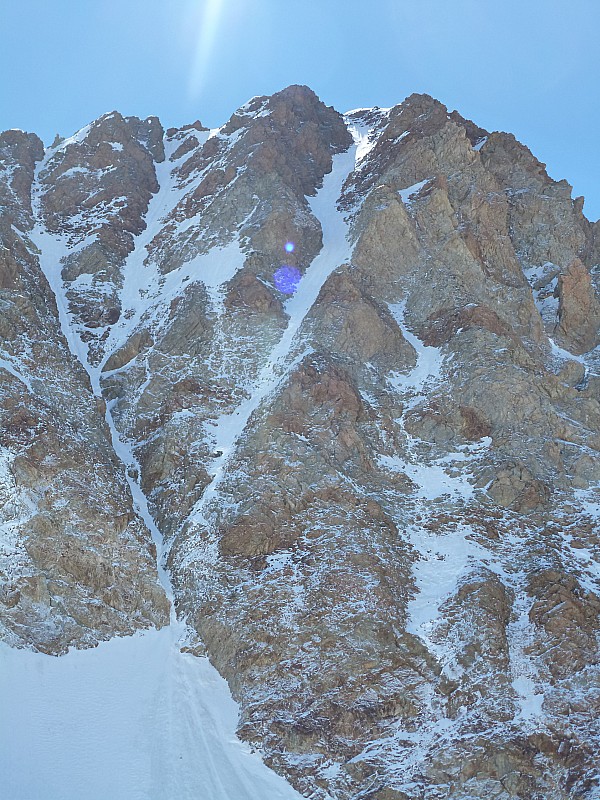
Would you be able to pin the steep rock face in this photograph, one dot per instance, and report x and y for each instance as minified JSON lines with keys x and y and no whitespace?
{"x":373,"y":452}
{"x":578,"y":309}
{"x":221,"y":246}
{"x":77,"y":564}
{"x":378,"y":411}
{"x":93,"y":189}
{"x":467,"y":267}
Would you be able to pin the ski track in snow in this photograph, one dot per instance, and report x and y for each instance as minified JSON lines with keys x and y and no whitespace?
{"x":134,"y":718}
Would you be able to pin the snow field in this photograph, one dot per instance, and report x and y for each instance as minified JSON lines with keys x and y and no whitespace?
{"x":132,"y":719}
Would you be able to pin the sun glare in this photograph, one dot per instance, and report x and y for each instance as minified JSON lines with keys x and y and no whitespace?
{"x":206,"y":19}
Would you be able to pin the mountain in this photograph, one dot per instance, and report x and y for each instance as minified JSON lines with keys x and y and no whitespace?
{"x":327,"y":386}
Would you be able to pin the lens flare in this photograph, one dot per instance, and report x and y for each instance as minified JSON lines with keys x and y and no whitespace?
{"x":290,"y":247}
{"x":287,"y":279}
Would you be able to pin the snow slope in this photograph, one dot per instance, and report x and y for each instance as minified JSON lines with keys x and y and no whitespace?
{"x":133,"y":719}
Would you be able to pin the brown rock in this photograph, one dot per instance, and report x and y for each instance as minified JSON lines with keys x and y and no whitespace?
{"x":579,"y":309}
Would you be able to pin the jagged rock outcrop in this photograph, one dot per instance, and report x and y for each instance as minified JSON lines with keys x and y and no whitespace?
{"x":77,"y":564}
{"x":352,"y":363}
{"x":94,"y":190}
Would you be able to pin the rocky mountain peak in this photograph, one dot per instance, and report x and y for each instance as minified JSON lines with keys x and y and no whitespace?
{"x":340,"y":373}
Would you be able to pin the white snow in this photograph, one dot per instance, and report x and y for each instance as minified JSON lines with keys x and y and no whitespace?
{"x":132,"y":719}
{"x":479,"y":144}
{"x":76,"y":138}
{"x":520,"y":636}
{"x":363,"y":132}
{"x":444,"y":558}
{"x":530,"y":701}
{"x":427,"y":371}
{"x":407,"y":193}
{"x":15,"y":510}
{"x":434,"y":479}
{"x":52,"y":250}
{"x":543,"y":280}
{"x":368,"y":110}
{"x":284,"y":569}
{"x":8,"y":365}
{"x":589,"y":500}
{"x":146,"y":293}
{"x":76,"y":171}
{"x":565,"y":354}
{"x":362,"y":135}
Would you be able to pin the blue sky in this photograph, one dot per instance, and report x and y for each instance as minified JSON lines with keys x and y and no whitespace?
{"x":531,"y":67}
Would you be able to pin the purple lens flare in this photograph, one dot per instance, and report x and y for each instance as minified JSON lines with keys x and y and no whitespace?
{"x":287,"y":279}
